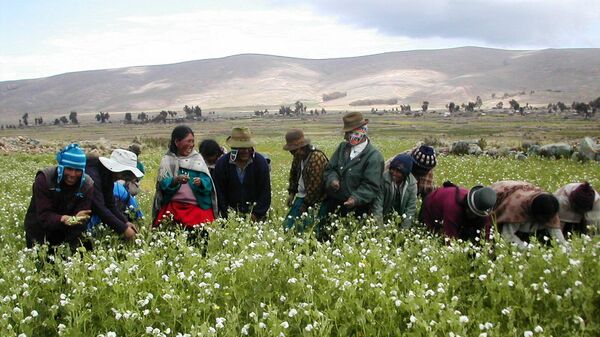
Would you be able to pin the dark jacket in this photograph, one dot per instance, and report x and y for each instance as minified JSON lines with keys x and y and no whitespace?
{"x":48,"y":204}
{"x":359,"y":177}
{"x":103,"y":202}
{"x":256,"y":188}
{"x":312,"y":175}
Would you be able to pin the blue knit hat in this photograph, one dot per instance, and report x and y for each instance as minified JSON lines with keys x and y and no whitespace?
{"x":403,"y":163}
{"x":71,"y":156}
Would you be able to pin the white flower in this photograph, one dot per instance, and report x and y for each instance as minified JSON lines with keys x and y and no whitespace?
{"x":292,"y":280}
{"x":111,"y":334}
{"x":413,"y":319}
{"x":433,"y":269}
{"x":397,"y":303}
{"x":482,"y":277}
{"x":245,"y":329}
{"x":463,"y":319}
{"x":34,"y":313}
{"x":538,"y":329}
{"x":483,"y":334}
{"x":149,"y":329}
{"x":285,"y":324}
{"x":292,"y":312}
{"x":527,"y":333}
{"x":262,"y":325}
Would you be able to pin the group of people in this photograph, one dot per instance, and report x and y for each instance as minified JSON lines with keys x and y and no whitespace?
{"x":194,"y":188}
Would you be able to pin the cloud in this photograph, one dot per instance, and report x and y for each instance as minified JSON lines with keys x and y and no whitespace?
{"x":160,"y":39}
{"x":502,"y":23}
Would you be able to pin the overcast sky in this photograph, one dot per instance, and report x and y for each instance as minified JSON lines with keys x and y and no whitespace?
{"x":44,"y":38}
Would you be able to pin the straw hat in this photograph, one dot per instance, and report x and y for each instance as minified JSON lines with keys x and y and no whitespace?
{"x":240,"y":138}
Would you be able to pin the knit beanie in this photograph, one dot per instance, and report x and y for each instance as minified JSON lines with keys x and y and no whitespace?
{"x":583,"y":197}
{"x":424,"y":159}
{"x":71,"y":156}
{"x":403,"y":163}
{"x":544,"y":207}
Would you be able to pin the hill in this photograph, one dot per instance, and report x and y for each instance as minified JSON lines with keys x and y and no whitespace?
{"x":250,"y":81}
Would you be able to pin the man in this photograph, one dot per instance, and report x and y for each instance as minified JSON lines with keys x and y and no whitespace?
{"x":398,"y":191}
{"x":579,"y":206}
{"x":61,"y":201}
{"x":122,"y":164}
{"x":306,"y":177}
{"x":459,"y":213}
{"x":353,"y":175}
{"x":523,"y":209}
{"x":424,"y":160}
{"x":242,"y":177}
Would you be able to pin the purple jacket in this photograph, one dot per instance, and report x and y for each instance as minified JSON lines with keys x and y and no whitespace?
{"x":443,"y":211}
{"x":48,"y":204}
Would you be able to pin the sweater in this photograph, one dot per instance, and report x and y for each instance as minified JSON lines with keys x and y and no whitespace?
{"x":240,"y":196}
{"x":48,"y":205}
{"x":103,"y":201}
{"x":443,"y":211}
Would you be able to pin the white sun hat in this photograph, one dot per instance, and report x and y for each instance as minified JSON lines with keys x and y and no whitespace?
{"x":122,"y":160}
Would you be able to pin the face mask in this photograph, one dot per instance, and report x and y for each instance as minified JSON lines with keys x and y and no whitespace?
{"x":356,"y":136}
{"x":133,"y":187}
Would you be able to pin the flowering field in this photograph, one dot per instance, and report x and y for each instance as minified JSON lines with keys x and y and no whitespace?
{"x":257,"y":280}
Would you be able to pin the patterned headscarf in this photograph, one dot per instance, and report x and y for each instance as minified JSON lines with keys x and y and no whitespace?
{"x":357,"y":135}
{"x":71,"y":156}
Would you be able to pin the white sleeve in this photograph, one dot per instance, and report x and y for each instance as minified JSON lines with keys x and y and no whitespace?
{"x":508,"y":234}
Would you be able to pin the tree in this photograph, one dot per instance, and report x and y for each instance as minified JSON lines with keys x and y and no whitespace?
{"x":514,"y":104}
{"x":582,"y":108}
{"x":478,"y":102}
{"x":451,"y":106}
{"x":64,"y":120}
{"x":127,"y":117}
{"x":425,"y":106}
{"x":56,"y":121}
{"x":143,"y":117}
{"x":298,"y":107}
{"x":73,"y":117}
{"x":25,"y":118}
{"x":102,"y":117}
{"x":197,"y":111}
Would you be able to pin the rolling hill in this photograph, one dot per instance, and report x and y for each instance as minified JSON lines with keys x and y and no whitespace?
{"x":250,"y":81}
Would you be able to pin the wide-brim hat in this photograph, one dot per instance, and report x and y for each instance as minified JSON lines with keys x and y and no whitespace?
{"x":481,"y":200}
{"x":353,"y":120}
{"x":240,"y":138}
{"x":295,"y":139}
{"x":122,"y":160}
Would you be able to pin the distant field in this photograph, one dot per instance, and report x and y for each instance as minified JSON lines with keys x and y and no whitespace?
{"x":496,"y":128}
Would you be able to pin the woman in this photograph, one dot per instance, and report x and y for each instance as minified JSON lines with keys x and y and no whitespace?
{"x":185,"y":193}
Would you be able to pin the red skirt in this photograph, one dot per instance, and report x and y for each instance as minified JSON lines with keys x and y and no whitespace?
{"x":188,"y":215}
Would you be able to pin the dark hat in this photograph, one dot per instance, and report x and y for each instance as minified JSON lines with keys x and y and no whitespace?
{"x":583,"y":197}
{"x":481,"y":200}
{"x":240,"y":138}
{"x":353,"y":120}
{"x":403,"y":163}
{"x":424,"y":157}
{"x":136,"y":148}
{"x":544,"y":207}
{"x":295,"y":139}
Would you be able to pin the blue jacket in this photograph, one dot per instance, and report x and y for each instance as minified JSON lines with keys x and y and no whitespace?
{"x":256,"y":187}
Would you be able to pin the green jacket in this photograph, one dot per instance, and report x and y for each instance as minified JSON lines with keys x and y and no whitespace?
{"x":387,"y":202}
{"x":359,"y":177}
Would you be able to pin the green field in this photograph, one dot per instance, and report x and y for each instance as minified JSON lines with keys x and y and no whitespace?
{"x":257,"y":280}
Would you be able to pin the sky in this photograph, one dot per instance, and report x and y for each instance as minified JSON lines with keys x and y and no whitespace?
{"x":44,"y":38}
